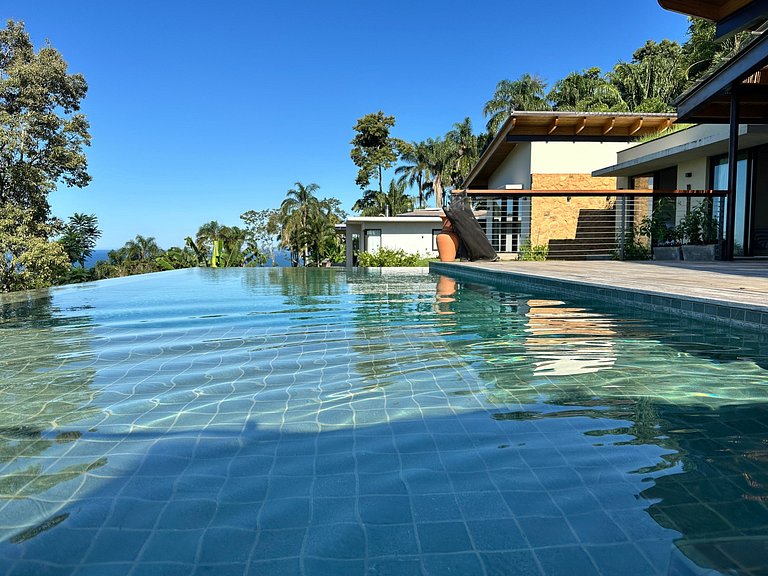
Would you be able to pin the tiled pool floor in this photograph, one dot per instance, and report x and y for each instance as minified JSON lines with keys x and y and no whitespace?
{"x":323,"y":423}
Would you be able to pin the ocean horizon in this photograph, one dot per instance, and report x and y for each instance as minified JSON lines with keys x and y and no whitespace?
{"x":283,"y":258}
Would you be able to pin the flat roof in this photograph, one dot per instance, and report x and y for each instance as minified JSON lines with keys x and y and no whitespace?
{"x":689,"y":144}
{"x":556,"y":126}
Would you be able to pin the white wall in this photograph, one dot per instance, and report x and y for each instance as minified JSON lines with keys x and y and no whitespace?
{"x":515,"y":169}
{"x":573,"y":157}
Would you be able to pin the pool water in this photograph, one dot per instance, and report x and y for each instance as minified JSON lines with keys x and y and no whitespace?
{"x":324,"y":422}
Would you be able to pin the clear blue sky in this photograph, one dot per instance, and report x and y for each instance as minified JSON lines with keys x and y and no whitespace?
{"x":201,"y":110}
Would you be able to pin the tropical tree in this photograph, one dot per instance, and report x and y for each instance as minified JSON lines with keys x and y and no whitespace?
{"x":586,"y":91}
{"x":415,"y":172}
{"x":395,"y":201}
{"x":703,"y":51}
{"x":79,"y":237}
{"x":27,"y":258}
{"x":525,"y":93}
{"x":293,"y":218}
{"x":176,"y":258}
{"x":41,"y":134}
{"x":143,"y":249}
{"x":440,"y":155}
{"x":654,"y":77}
{"x":373,"y":149}
{"x":262,"y":229}
{"x":466,"y":149}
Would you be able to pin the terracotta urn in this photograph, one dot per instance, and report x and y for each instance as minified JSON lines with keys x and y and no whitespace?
{"x":447,"y":246}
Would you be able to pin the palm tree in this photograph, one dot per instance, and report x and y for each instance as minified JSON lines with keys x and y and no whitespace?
{"x":587,"y":91}
{"x":416,"y":171}
{"x":467,"y":148}
{"x":525,"y":93}
{"x":207,"y":234}
{"x":142,"y":249}
{"x":439,"y":161}
{"x":294,"y":214}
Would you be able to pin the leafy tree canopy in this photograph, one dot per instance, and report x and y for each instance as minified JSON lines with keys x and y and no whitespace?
{"x":41,"y":134}
{"x":373,"y":149}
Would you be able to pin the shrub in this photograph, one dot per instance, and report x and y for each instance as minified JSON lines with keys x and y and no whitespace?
{"x":529,"y":251}
{"x":386,"y":257}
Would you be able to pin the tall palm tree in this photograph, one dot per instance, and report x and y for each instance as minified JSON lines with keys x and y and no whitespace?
{"x":294,"y":215}
{"x":587,"y":91}
{"x":439,"y":161}
{"x":415,"y":172}
{"x":467,"y":148}
{"x":208,"y":233}
{"x":525,"y":93}
{"x":142,"y":248}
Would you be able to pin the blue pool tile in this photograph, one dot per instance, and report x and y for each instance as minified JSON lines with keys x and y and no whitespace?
{"x":187,"y":514}
{"x":233,"y":544}
{"x":517,"y":562}
{"x":278,"y":567}
{"x":444,"y":537}
{"x":380,"y":484}
{"x":272,"y":544}
{"x":333,"y":510}
{"x":433,"y":507}
{"x":284,"y":513}
{"x":427,"y":482}
{"x":531,"y":503}
{"x":333,"y":567}
{"x":496,"y":535}
{"x":482,"y":505}
{"x":596,"y":528}
{"x":546,"y":531}
{"x":339,"y":541}
{"x":335,"y":485}
{"x":172,"y":546}
{"x":113,"y":545}
{"x":452,"y":564}
{"x":391,"y":540}
{"x":385,"y":509}
{"x":394,"y":567}
{"x":624,"y":559}
{"x":566,"y":561}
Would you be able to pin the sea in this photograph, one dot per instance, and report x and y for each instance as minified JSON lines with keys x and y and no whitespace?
{"x":283,"y":258}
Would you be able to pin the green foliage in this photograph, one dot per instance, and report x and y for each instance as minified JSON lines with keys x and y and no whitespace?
{"x":373,"y":149}
{"x":699,"y":226}
{"x":655,"y":228}
{"x":530,"y":251}
{"x":586,"y":91}
{"x":79,"y":237}
{"x":41,"y":134}
{"x":386,"y":257}
{"x":634,"y":247}
{"x":526,"y":93}
{"x":262,"y":229}
{"x":28,"y":259}
{"x":395,"y":201}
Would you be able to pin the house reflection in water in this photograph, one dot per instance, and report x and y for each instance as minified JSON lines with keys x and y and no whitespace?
{"x":566,"y":340}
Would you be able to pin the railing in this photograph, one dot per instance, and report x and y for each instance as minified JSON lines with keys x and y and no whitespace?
{"x":590,"y":224}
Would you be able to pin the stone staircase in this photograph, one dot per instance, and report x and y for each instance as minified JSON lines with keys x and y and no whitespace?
{"x":595,"y":237}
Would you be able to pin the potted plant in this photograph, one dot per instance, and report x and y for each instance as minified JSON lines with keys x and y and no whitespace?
{"x":665,"y":239}
{"x":699,"y":230}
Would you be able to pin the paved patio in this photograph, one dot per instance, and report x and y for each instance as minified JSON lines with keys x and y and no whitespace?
{"x":726,"y":292}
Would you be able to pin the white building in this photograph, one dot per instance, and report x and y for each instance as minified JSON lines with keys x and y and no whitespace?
{"x":412,"y":232}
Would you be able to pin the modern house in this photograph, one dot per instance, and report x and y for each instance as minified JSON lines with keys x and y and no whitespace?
{"x":411,"y":232}
{"x":732,"y":154}
{"x":696,"y":158}
{"x":536,"y":186}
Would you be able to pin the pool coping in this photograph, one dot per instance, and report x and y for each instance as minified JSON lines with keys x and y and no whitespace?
{"x":737,"y":314}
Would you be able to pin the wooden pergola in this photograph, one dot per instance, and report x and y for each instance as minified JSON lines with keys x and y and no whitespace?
{"x":736,"y":92}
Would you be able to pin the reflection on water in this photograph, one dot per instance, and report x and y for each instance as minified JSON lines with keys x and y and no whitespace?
{"x":332,"y":421}
{"x":698,"y":391}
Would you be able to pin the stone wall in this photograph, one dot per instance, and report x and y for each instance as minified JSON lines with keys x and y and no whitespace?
{"x":556,"y":218}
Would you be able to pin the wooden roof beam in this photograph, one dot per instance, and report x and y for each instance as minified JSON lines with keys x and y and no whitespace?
{"x":635,"y":127}
{"x":608,"y":126}
{"x":580,"y":125}
{"x":553,"y":125}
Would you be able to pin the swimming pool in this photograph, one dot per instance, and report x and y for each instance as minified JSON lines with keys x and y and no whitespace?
{"x":300,"y":421}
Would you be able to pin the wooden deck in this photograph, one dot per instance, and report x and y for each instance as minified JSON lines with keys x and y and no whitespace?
{"x":726,"y":292}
